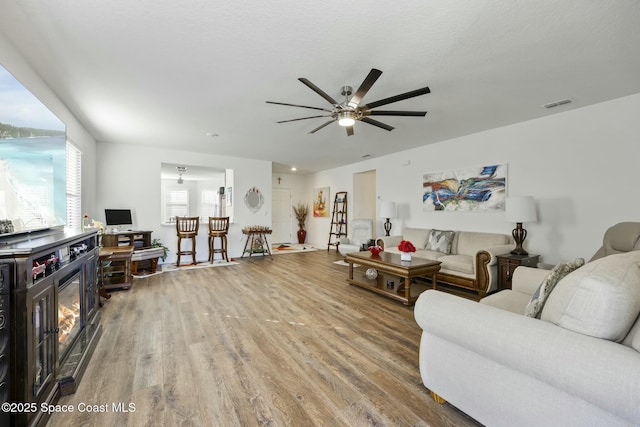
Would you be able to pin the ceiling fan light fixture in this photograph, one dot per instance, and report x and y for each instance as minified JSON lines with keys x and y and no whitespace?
{"x":345,"y":118}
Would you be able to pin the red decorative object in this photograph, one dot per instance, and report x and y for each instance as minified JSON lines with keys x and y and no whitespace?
{"x":406,"y":246}
{"x":375,"y":250}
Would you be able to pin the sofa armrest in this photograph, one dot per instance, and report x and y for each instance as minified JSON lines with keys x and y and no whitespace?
{"x":388,"y":241}
{"x":540,"y":350}
{"x":494,"y":251}
{"x":527,"y":280}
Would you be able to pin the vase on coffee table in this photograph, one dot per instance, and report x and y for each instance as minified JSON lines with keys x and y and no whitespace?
{"x":405,"y":256}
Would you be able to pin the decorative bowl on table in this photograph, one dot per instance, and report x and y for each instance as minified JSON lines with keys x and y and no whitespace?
{"x":375,"y":250}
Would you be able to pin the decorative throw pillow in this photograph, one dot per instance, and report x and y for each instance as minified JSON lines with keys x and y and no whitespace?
{"x":601,"y":299}
{"x":440,"y":241}
{"x":534,"y":308}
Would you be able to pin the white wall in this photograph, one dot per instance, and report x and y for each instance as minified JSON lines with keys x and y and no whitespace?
{"x":129,"y":178}
{"x":13,"y":61}
{"x":579,"y":165}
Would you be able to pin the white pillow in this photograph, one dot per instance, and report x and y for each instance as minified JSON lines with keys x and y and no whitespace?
{"x":601,"y":299}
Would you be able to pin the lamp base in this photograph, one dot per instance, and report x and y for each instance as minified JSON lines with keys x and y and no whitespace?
{"x":519,"y":252}
{"x":519,"y":234}
{"x":387,"y":227}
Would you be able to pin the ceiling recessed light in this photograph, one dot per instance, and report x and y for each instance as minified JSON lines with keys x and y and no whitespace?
{"x":294,"y":169}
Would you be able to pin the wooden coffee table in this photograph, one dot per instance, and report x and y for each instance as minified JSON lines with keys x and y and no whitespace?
{"x":390,"y":263}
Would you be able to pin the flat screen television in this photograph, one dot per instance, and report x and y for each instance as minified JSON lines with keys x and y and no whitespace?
{"x":118,"y":217}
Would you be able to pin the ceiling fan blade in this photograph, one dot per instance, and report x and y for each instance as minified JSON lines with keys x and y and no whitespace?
{"x":301,"y":118}
{"x":319,"y":91}
{"x":394,"y":113}
{"x":402,"y":96}
{"x":371,"y":78}
{"x":296,"y":105}
{"x":377,"y":123}
{"x":349,"y":130}
{"x":321,"y":126}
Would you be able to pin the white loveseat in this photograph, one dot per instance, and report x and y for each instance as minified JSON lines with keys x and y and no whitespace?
{"x":578,"y":364}
{"x":469,"y":262}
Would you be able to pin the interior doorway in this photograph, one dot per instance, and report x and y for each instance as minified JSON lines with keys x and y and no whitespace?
{"x":282,"y":217}
{"x":364,"y":197}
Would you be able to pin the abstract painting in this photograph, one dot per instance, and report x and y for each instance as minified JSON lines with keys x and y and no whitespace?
{"x":321,"y":202}
{"x":473,"y":189}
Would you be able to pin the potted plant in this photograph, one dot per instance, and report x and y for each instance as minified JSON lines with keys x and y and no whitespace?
{"x":156,"y":243}
{"x":301,"y":211}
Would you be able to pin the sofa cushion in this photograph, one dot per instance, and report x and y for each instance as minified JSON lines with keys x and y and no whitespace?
{"x":417,"y":236}
{"x":469,"y":242}
{"x":534,"y":308}
{"x":601,"y":299}
{"x":440,"y":241}
{"x":434,"y":255}
{"x":461,"y":263}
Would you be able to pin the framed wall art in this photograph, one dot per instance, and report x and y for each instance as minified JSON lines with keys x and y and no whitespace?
{"x":321,"y":202}
{"x":478,"y":189}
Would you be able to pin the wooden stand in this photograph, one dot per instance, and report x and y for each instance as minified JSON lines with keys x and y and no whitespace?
{"x":257,"y":242}
{"x":338,"y":219}
{"x":507,"y":263}
{"x":115,"y":267}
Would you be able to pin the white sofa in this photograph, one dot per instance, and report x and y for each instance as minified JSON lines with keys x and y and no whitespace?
{"x":578,"y":364}
{"x":470,"y":265}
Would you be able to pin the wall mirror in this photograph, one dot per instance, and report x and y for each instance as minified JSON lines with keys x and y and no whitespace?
{"x":189,"y":190}
{"x":254,"y":199}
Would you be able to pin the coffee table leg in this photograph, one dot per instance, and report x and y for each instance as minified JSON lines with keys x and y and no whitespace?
{"x":350,"y":270}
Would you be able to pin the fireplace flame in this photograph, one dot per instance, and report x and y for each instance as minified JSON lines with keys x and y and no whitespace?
{"x":67,"y":319}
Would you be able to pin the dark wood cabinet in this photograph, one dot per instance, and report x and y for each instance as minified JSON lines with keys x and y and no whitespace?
{"x":49,"y":318}
{"x":508,"y":263}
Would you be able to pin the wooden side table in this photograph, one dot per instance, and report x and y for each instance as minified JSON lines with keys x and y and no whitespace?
{"x":507,"y":263}
{"x":257,"y":242}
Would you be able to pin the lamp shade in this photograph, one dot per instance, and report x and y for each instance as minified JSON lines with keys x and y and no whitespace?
{"x":521,"y":209}
{"x":388,"y":210}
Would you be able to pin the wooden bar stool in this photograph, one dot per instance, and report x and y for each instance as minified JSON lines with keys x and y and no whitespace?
{"x":218,"y":228}
{"x":187,"y":228}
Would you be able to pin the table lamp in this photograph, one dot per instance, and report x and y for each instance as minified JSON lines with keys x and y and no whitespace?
{"x":388,"y":210}
{"x":520,"y":209}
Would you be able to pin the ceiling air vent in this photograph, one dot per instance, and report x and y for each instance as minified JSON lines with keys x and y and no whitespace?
{"x":558,"y":103}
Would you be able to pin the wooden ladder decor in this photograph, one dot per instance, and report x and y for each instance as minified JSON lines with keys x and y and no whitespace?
{"x":338,"y":219}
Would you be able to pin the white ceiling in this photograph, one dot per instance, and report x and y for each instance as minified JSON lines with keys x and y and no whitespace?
{"x":166,"y":73}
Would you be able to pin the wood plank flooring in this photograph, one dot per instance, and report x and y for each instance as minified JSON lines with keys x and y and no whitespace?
{"x":280,"y":341}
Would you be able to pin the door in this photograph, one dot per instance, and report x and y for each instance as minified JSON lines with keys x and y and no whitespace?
{"x":282,"y":218}
{"x":364,"y":197}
